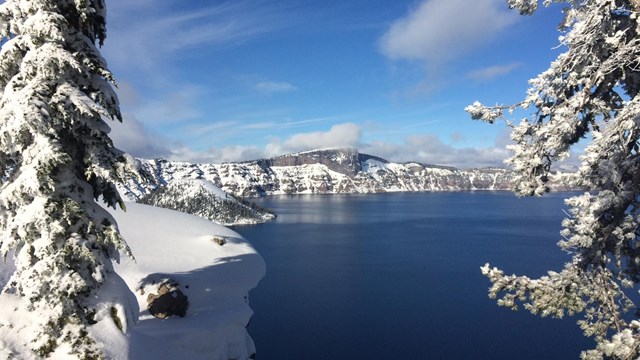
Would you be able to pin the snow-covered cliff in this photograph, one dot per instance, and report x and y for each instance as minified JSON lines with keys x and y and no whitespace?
{"x":319,"y":172}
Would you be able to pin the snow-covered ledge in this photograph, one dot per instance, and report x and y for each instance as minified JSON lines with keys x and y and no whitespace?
{"x":216,"y":278}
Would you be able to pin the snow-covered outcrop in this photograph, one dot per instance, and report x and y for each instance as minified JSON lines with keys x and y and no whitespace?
{"x":319,"y":172}
{"x":167,"y":245}
{"x":202,"y":198}
{"x":216,"y":278}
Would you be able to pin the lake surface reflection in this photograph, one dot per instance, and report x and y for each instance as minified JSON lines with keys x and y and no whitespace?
{"x":396,"y":276}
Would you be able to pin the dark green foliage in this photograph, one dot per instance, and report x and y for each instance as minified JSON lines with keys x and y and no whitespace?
{"x":193,"y":198}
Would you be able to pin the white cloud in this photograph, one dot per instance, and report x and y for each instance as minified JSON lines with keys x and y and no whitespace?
{"x":341,"y":135}
{"x":134,"y":138}
{"x":269,"y":87}
{"x":131,"y":136}
{"x":429,"y":149}
{"x":217,"y":155}
{"x":491,"y":72}
{"x":437,"y":31}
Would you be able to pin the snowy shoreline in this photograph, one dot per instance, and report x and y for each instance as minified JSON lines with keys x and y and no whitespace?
{"x":217,"y":279}
{"x":166,"y":244}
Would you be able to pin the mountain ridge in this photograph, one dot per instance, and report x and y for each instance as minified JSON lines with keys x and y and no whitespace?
{"x":326,"y":171}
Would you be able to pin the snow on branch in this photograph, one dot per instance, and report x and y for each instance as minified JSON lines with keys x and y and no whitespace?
{"x":589,"y":93}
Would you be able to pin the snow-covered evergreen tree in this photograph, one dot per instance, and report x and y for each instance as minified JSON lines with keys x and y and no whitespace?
{"x":202,"y":198}
{"x":591,"y":88}
{"x":57,"y":161}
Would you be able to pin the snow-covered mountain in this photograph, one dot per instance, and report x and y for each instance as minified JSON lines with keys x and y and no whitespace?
{"x":319,"y":172}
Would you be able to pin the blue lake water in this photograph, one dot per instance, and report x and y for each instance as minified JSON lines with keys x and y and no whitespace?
{"x":396,"y":276}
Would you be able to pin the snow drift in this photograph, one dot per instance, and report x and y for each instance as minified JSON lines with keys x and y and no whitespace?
{"x":167,"y":245}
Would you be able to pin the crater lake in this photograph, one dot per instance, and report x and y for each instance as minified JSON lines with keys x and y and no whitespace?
{"x":397,"y":276}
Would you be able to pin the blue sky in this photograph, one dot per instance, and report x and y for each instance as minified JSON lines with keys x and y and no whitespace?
{"x":214,"y":81}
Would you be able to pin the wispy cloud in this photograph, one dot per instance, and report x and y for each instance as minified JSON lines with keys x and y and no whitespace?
{"x":270,"y":87}
{"x":144,"y":34}
{"x":135,"y":138}
{"x":176,"y":105}
{"x":149,"y":39}
{"x":244,"y":124}
{"x":438,"y":31}
{"x":404,"y":128}
{"x":492,"y":72}
{"x":288,"y":124}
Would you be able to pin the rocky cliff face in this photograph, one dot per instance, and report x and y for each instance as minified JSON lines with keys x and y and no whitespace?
{"x":319,"y":172}
{"x":344,"y":161}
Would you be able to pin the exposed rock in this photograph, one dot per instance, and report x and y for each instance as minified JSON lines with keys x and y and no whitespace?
{"x":343,"y":161}
{"x":169,"y":301}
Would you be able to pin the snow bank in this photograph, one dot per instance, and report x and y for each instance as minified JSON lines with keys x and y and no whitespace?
{"x":217,"y":279}
{"x":166,"y":244}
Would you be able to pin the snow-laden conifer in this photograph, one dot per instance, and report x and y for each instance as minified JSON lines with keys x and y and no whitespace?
{"x":57,"y":160}
{"x":202,"y":198}
{"x":590,"y":90}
